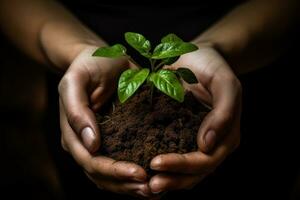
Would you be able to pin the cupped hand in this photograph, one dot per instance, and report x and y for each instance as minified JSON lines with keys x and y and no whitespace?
{"x":219,"y":133}
{"x":87,"y":84}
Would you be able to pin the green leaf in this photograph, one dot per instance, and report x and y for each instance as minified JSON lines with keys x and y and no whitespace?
{"x":167,"y":82}
{"x":170,"y":61}
{"x":172,"y":49}
{"x":129,"y":81}
{"x":171,"y":38}
{"x":139,"y":43}
{"x":187,"y":75}
{"x":114,"y":51}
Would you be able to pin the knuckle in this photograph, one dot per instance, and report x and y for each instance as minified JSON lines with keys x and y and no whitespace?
{"x":90,"y":170}
{"x":74,"y":118}
{"x":63,"y":144}
{"x":115,"y":171}
{"x":63,"y":84}
{"x":226,"y":117}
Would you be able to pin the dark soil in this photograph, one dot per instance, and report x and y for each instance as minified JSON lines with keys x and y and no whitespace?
{"x":136,"y":131}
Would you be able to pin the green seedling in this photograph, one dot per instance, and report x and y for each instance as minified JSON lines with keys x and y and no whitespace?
{"x":165,"y":53}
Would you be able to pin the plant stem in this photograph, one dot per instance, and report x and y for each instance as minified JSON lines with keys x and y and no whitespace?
{"x":151,"y":94}
{"x":133,"y":61}
{"x":152,"y":63}
{"x":158,"y":66}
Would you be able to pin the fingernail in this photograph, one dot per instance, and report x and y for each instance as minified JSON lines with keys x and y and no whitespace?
{"x":136,"y":177}
{"x":155,"y":186}
{"x":155,"y":164}
{"x":88,"y":138}
{"x":210,"y":140}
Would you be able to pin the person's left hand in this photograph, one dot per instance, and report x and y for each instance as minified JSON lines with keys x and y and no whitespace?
{"x":219,"y":133}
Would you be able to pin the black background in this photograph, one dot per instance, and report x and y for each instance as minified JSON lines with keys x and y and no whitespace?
{"x":266,"y":165}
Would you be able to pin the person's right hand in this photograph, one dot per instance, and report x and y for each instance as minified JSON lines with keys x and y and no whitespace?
{"x":87,"y":84}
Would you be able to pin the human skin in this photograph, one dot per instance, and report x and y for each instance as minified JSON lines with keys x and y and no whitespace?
{"x":219,"y":133}
{"x":245,"y":41}
{"x":240,"y":42}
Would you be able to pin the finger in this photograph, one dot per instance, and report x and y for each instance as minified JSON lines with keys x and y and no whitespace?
{"x":196,"y":162}
{"x":216,"y":77}
{"x":200,"y":93}
{"x":103,"y":92}
{"x":100,"y":95}
{"x":63,"y":144}
{"x":120,"y":170}
{"x":189,"y":163}
{"x":99,"y":166}
{"x":74,"y":100}
{"x":123,"y":187}
{"x":168,"y":182}
{"x":226,"y":92}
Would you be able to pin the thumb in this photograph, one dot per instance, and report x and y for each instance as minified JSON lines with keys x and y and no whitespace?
{"x":83,"y":122}
{"x":213,"y":129}
{"x":74,"y":100}
{"x":226,"y":103}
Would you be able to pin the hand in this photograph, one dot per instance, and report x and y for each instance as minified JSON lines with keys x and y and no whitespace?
{"x":84,"y":88}
{"x":219,"y":133}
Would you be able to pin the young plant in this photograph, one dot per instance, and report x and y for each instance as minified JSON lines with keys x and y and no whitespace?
{"x":165,"y":53}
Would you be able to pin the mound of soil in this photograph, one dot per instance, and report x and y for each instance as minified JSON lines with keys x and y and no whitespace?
{"x":136,"y":131}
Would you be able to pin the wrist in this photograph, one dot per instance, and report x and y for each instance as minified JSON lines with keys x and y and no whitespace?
{"x":74,"y":49}
{"x":61,"y":43}
{"x":231,"y":49}
{"x":221,"y":49}
{"x":210,"y":45}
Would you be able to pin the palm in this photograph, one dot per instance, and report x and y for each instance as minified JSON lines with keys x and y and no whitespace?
{"x":219,"y":88}
{"x":204,"y":63}
{"x":101,"y":75}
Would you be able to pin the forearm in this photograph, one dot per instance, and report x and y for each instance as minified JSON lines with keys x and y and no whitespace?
{"x":45,"y":30}
{"x":253,"y":34}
